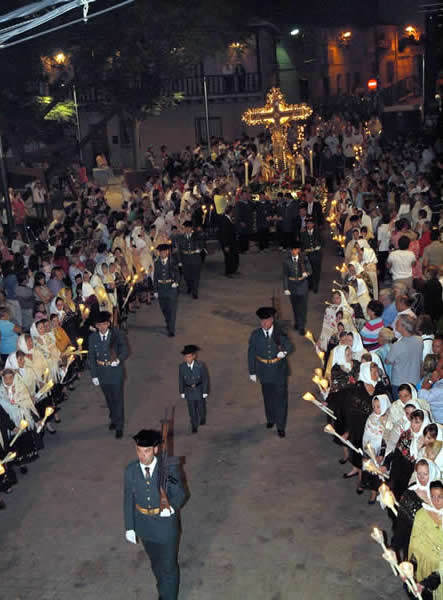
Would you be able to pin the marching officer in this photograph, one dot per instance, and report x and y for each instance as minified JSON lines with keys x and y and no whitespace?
{"x":267,"y":352}
{"x":166,"y":281}
{"x":157,"y":529}
{"x":263,"y":218}
{"x":190,"y":246}
{"x":107,"y":351}
{"x":193,"y":381}
{"x":296,"y":270}
{"x":311,"y":245}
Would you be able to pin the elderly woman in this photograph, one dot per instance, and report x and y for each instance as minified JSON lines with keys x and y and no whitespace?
{"x":329,"y":327}
{"x":17,"y":403}
{"x":410,"y":503}
{"x":427,"y":539}
{"x":386,"y":338}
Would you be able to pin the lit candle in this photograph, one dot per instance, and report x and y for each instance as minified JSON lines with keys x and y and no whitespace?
{"x":246,"y":173}
{"x":311,"y":162}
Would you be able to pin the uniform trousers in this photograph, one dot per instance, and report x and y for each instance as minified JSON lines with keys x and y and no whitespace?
{"x":196,"y":408}
{"x":300,"y":309}
{"x":168,"y":306}
{"x":314,"y":278}
{"x":164,"y":565}
{"x":191,"y":273}
{"x":113,"y":393}
{"x":275,"y":396}
{"x":231,"y":261}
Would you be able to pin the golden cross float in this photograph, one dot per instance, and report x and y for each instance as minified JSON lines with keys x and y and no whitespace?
{"x":277,"y":116}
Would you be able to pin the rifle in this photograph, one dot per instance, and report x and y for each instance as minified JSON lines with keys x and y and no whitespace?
{"x":165,"y":457}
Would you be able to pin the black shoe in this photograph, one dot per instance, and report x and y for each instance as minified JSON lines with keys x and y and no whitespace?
{"x":269,"y":425}
{"x":281,"y":433}
{"x":2,"y":505}
{"x":119,"y":434}
{"x":111,"y":427}
{"x":372,"y":501}
{"x":347,"y":476}
{"x":171,"y":334}
{"x":302,"y":332}
{"x":359,"y":491}
{"x":194,"y":430}
{"x":23,"y":470}
{"x":188,"y":291}
{"x":203,"y":422}
{"x":195,"y":296}
{"x":343,"y":461}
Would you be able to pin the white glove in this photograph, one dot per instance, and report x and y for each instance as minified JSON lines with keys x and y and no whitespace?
{"x":95,"y":381}
{"x":205,"y":395}
{"x":281,"y":354}
{"x":305,"y":274}
{"x":115,"y":362}
{"x":180,"y":264}
{"x":174,"y":285}
{"x":130,"y":536}
{"x":287,"y":293}
{"x":167,"y":512}
{"x":155,"y":294}
{"x":253,"y":378}
{"x":182,"y":395}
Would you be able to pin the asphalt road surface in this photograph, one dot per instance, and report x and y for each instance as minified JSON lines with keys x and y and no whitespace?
{"x":267,"y":518}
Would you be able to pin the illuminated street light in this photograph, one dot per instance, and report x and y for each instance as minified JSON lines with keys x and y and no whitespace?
{"x":295,"y":31}
{"x":346,"y":35}
{"x":60,"y":58}
{"x":411,"y":31}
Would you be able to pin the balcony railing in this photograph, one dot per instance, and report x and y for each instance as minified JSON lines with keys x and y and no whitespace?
{"x":217,"y":85}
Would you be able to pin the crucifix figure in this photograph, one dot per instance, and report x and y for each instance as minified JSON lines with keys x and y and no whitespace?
{"x":277,"y":116}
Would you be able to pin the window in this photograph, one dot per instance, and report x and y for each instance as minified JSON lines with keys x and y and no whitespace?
{"x":339,"y":83}
{"x":390,"y":71}
{"x":326,"y":86}
{"x":357,"y":80}
{"x":215,"y":129}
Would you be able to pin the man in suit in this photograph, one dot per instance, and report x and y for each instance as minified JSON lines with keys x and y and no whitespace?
{"x":156,"y":528}
{"x":311,"y":244}
{"x":166,"y":281}
{"x":190,"y":246}
{"x":193,"y":381}
{"x":290,"y":213}
{"x":107,"y":351}
{"x":314,"y":209}
{"x":263,"y":213}
{"x":296,"y":270}
{"x":228,"y":242}
{"x":243,"y":220}
{"x":267,"y":352}
{"x":300,"y":221}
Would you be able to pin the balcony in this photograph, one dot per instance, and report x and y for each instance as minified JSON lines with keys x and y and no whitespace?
{"x":217,"y":85}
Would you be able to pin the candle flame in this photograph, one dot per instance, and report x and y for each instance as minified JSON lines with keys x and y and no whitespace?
{"x":309,"y":336}
{"x":49,"y":411}
{"x":2,"y":470}
{"x":329,"y":429}
{"x":79,"y":341}
{"x":318,"y":372}
{"x":308,"y":397}
{"x":406,"y":569}
{"x":23,"y":424}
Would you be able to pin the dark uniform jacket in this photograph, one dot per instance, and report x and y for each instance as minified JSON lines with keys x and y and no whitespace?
{"x":165,"y":275}
{"x":193,"y":381}
{"x":189,"y":248}
{"x":293,"y":272}
{"x":243,"y":216}
{"x":228,"y":235}
{"x":263,"y":211}
{"x":114,"y":347}
{"x":147,"y":496}
{"x":267,"y":349}
{"x":310,"y":243}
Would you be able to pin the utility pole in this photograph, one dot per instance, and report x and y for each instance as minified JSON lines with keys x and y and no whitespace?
{"x":6,"y":192}
{"x":208,"y":135}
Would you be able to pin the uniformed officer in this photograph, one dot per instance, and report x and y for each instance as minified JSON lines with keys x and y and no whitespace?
{"x":157,"y":529}
{"x":166,"y":280}
{"x":193,"y":381}
{"x":296,"y":270}
{"x":311,"y":245}
{"x":107,"y":351}
{"x":267,"y":352}
{"x":190,"y":246}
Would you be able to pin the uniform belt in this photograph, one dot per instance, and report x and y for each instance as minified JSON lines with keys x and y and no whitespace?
{"x":193,"y":385}
{"x":147,"y":511}
{"x":165,"y":281}
{"x":191,"y":251}
{"x":268,"y":361}
{"x":104,"y":363}
{"x":313,"y":249}
{"x":295,"y":278}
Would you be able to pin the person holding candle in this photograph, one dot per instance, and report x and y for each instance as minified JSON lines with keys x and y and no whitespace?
{"x":157,"y":529}
{"x":267,"y":360}
{"x":107,"y":352}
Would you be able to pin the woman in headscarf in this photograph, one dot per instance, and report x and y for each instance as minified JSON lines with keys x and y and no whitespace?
{"x":329,"y":327}
{"x":9,"y":478}
{"x":70,"y":322}
{"x":402,"y":460}
{"x":357,"y":345}
{"x":98,"y":283}
{"x":373,"y":435}
{"x":411,"y":502}
{"x":355,"y":278}
{"x":88,"y":296}
{"x":44,"y":342}
{"x":358,"y":407}
{"x":17,"y":403}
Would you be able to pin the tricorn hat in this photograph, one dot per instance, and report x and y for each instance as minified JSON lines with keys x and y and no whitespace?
{"x":147,"y":438}
{"x":264,"y":312}
{"x":190,"y":349}
{"x":163,"y":247}
{"x":187,"y":224}
{"x":103,"y":317}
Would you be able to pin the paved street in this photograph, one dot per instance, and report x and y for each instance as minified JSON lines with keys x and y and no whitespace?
{"x":267,"y":519}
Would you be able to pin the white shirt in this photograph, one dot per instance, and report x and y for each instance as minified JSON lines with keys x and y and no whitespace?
{"x":401,"y":262}
{"x":104,"y":336}
{"x":191,"y":365}
{"x":383,"y":237}
{"x":151,"y":467}
{"x":268,"y":332}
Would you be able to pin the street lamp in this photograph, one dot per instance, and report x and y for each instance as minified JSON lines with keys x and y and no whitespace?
{"x":60,"y":58}
{"x":295,"y":31}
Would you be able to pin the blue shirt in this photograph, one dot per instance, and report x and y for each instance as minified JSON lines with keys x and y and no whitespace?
{"x":9,"y":284}
{"x":389,"y":315}
{"x":435,"y":398}
{"x":8,"y":341}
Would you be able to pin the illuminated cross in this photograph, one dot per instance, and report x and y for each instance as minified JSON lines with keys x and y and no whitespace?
{"x":277,"y":116}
